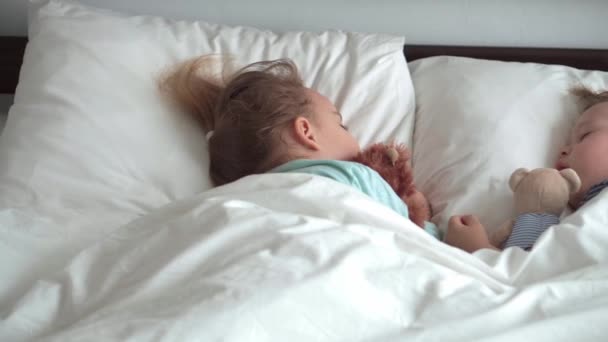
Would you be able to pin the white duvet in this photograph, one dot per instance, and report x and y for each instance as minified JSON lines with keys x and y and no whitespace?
{"x":289,"y":257}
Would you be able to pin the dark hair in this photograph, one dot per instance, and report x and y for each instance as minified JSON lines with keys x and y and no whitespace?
{"x":588,"y":97}
{"x":246,"y":112}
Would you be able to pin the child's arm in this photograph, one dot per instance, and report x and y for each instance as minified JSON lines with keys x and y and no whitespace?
{"x":467,"y":233}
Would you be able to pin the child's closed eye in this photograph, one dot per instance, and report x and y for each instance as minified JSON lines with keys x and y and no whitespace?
{"x":584,"y":135}
{"x":344,"y":127}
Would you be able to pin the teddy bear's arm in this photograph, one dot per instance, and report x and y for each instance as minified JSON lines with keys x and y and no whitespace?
{"x":418,"y":207}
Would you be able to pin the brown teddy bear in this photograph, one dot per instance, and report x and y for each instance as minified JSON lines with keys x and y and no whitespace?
{"x":540,"y":191}
{"x":391,"y":161}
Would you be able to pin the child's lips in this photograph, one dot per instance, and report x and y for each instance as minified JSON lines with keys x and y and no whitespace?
{"x":560,"y":165}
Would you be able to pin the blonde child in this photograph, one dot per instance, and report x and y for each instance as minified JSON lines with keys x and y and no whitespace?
{"x":263,"y":119}
{"x":586,"y":153}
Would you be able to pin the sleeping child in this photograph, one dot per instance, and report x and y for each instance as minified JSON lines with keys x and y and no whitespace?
{"x":586,"y":153}
{"x":263,"y":119}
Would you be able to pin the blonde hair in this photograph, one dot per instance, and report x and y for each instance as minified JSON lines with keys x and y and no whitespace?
{"x":246,"y":112}
{"x":588,"y":97}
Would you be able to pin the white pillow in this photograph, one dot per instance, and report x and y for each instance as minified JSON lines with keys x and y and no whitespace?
{"x":88,"y":129}
{"x":478,"y":120}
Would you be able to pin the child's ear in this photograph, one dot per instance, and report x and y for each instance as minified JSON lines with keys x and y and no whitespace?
{"x":304,"y":133}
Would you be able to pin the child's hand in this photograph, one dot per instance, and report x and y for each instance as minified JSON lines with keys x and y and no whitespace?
{"x":467,"y":233}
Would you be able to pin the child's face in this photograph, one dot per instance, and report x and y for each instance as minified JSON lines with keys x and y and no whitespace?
{"x":587,"y":149}
{"x":333,"y":137}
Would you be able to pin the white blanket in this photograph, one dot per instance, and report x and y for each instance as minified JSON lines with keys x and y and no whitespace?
{"x":288,"y":257}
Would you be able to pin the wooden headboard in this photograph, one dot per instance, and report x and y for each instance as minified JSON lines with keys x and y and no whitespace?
{"x":12,"y":48}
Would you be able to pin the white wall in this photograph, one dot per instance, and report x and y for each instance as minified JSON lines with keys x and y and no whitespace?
{"x":542,"y":23}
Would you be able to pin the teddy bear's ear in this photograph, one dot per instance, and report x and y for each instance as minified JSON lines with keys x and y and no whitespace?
{"x":574,"y":181}
{"x":516,"y":177}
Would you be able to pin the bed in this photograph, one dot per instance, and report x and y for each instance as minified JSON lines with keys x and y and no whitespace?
{"x":111,"y":229}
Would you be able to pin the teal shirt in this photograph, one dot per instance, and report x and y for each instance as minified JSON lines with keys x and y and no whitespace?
{"x":357,"y":175}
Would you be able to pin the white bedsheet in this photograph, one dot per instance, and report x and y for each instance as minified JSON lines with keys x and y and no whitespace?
{"x":292,"y":258}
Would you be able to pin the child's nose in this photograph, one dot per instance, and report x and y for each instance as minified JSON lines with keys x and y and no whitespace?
{"x":564,"y":151}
